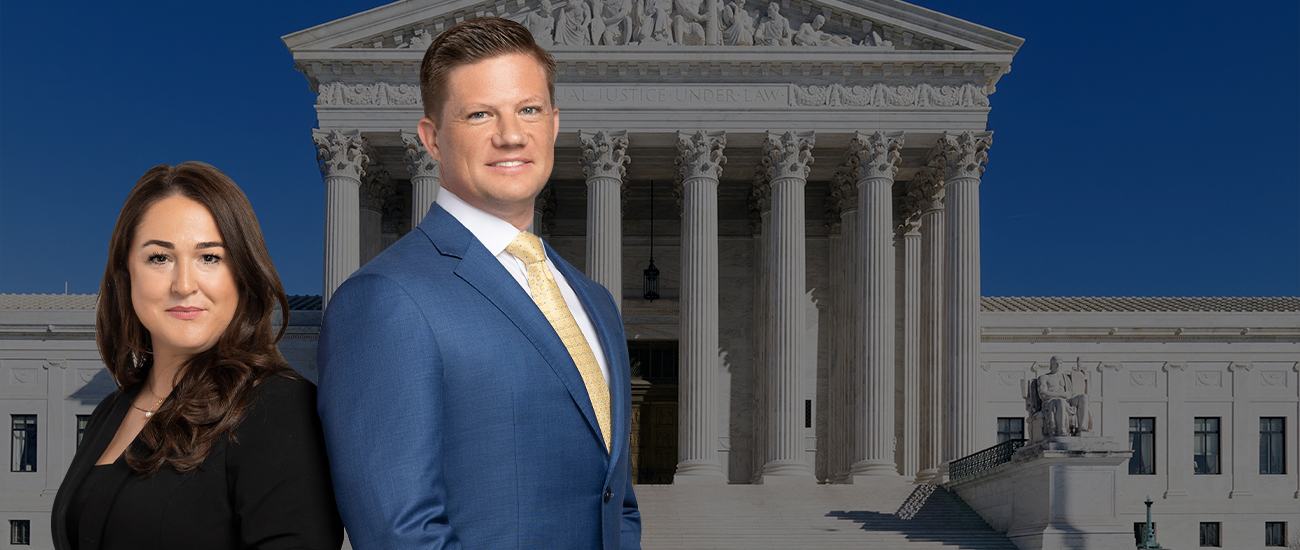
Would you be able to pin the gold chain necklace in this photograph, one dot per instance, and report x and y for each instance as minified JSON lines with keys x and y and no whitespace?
{"x":148,"y":413}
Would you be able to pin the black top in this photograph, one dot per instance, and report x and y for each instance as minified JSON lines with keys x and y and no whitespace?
{"x":82,"y":496}
{"x":269,"y":488}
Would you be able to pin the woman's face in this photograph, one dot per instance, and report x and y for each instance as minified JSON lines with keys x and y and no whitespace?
{"x":182,"y":287}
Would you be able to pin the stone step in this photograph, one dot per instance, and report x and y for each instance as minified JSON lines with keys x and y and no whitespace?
{"x":884,"y":514}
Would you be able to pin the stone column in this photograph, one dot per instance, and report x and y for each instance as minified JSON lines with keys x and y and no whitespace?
{"x":425,"y":180}
{"x":786,"y":161}
{"x":699,"y":161}
{"x":877,"y":156}
{"x":373,"y":198}
{"x":930,"y":188}
{"x":909,"y":458}
{"x":844,"y":200}
{"x":342,"y":163}
{"x":963,"y":157}
{"x":604,"y":156}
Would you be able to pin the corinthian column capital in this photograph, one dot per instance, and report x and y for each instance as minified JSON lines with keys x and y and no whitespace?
{"x":341,"y":153}
{"x":418,"y":160}
{"x":604,"y":154}
{"x":876,"y":154}
{"x":787,"y":155}
{"x":699,"y":155}
{"x":927,"y":187}
{"x":964,"y":155}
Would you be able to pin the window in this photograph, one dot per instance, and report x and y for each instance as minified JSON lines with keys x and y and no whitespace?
{"x":82,"y":421}
{"x":1138,"y":528}
{"x":1206,"y":446}
{"x":1010,"y":428}
{"x":24,"y":443}
{"x":1275,"y":533}
{"x":20,"y":532}
{"x":1142,"y":439}
{"x":1272,"y":445}
{"x":1210,"y":534}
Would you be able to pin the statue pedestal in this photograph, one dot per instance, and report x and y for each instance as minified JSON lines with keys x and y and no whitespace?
{"x":1057,"y":493}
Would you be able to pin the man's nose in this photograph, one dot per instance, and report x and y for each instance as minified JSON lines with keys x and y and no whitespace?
{"x":510,"y":131}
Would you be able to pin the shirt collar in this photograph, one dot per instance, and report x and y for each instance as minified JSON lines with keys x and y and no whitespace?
{"x":495,"y":233}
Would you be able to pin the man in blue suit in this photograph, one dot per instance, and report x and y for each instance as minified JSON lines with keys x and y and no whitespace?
{"x":474,"y":387}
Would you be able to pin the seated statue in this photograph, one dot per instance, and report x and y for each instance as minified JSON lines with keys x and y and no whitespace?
{"x":1057,"y":403}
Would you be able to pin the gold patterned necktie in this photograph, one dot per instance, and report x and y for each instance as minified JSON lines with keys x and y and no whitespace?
{"x":546,"y":293}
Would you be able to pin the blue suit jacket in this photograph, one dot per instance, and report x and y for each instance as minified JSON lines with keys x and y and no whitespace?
{"x":453,"y":414}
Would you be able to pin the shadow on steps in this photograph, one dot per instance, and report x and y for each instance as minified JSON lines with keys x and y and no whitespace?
{"x":932,"y":514}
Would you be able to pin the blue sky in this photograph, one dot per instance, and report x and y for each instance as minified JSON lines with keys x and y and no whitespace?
{"x":1141,"y":148}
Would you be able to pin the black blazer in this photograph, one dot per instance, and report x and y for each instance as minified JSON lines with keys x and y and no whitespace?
{"x":269,"y":488}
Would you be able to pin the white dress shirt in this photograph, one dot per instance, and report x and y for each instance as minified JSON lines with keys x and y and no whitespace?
{"x":496,"y":234}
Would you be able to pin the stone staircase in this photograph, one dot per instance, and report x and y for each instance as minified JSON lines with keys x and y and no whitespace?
{"x":886,"y":514}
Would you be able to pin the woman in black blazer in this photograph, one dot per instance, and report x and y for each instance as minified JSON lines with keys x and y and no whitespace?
{"x":211,"y":440}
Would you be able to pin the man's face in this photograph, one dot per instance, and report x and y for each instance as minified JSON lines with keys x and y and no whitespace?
{"x":495,"y":143}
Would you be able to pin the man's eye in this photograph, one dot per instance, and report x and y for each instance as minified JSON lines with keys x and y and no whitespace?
{"x":530,"y":110}
{"x":479,"y":114}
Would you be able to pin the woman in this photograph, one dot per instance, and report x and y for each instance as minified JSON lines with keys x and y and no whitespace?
{"x":211,"y":440}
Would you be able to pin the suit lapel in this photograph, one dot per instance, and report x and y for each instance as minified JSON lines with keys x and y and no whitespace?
{"x":602,"y":314}
{"x":485,"y":273}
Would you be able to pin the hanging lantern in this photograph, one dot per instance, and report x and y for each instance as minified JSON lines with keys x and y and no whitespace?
{"x":652,"y":273}
{"x":652,"y":282}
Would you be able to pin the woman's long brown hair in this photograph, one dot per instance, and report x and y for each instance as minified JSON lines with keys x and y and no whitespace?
{"x":213,"y":388}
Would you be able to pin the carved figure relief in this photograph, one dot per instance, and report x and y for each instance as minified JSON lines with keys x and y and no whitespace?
{"x":668,"y":22}
{"x":1057,"y":402}
{"x":774,"y":29}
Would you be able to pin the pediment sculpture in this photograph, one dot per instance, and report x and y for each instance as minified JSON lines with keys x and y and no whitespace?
{"x":674,"y":22}
{"x":1057,"y":403}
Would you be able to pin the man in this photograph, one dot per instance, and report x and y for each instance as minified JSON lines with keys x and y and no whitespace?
{"x":458,"y":412}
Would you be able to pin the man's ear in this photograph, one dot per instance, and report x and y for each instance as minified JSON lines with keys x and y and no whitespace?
{"x":429,"y":136}
{"x":555,"y":114}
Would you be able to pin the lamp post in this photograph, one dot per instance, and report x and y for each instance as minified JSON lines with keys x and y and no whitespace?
{"x":1149,"y":530}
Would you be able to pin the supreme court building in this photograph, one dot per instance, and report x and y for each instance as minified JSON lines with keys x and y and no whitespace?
{"x":805,"y":177}
{"x":815,"y":177}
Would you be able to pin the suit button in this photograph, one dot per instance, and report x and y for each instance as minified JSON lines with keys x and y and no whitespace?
{"x":608,"y":493}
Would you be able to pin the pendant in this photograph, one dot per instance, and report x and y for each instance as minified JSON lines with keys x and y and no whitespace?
{"x":148,"y":414}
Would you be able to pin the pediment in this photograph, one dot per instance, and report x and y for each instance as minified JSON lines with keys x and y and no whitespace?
{"x":858,"y":26}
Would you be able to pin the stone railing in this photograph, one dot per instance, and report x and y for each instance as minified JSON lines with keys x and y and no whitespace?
{"x":971,"y":466}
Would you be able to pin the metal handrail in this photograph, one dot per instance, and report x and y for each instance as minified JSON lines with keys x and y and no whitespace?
{"x":973,"y":465}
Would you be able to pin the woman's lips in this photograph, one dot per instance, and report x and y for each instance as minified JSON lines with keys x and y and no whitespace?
{"x":185,"y":313}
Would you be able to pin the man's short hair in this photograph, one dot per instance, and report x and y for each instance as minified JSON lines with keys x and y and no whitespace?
{"x":469,"y":42}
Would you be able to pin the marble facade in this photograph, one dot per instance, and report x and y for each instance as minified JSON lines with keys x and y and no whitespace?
{"x":774,"y":128}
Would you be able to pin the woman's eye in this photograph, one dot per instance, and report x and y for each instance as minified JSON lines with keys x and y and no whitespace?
{"x":157,"y":258}
{"x":211,"y":259}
